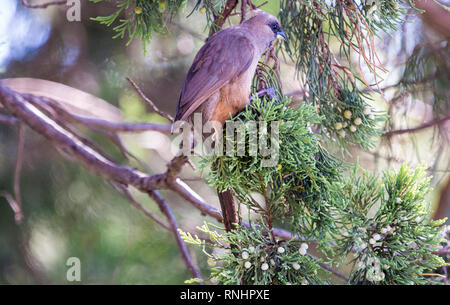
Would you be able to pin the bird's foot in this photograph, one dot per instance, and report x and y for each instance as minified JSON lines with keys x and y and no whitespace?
{"x":270,"y":92}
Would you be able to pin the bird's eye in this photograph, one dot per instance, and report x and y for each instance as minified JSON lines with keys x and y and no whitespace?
{"x":275,"y":27}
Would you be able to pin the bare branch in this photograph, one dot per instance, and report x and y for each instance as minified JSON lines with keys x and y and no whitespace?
{"x":182,"y":189}
{"x":89,"y":158}
{"x":335,"y":272}
{"x":244,"y":4}
{"x":18,"y":167}
{"x":165,"y":209}
{"x":126,"y":193}
{"x":18,"y":215}
{"x":149,"y":101}
{"x":230,"y":5}
{"x":98,"y":123}
{"x":8,"y":120}
{"x":44,"y":5}
{"x":418,"y":128}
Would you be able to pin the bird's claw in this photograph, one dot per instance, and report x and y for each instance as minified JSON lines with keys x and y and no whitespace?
{"x":270,"y":92}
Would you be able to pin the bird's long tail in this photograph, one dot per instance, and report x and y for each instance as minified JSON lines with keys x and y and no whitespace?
{"x":228,"y":209}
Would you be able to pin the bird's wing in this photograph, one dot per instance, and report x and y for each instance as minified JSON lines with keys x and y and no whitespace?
{"x":224,"y":57}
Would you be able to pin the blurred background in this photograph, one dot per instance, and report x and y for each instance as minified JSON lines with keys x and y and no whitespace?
{"x":71,"y":213}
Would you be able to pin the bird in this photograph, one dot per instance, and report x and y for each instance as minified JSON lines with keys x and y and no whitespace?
{"x":218,"y":83}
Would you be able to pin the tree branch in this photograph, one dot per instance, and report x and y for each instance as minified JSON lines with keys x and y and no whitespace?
{"x":63,"y":139}
{"x":4,"y":119}
{"x":149,"y":101}
{"x":44,"y":5}
{"x":89,"y":158}
{"x":96,"y":123}
{"x":165,"y":209}
{"x":219,"y":21}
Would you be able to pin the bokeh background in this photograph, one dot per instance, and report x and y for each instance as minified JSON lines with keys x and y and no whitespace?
{"x":71,"y":213}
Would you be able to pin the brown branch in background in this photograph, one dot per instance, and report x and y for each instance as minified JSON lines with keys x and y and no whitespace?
{"x":145,"y":98}
{"x":45,"y":4}
{"x":244,"y":4}
{"x":18,"y":215}
{"x":165,"y":209}
{"x":15,"y":202}
{"x":63,"y":119}
{"x":219,"y":21}
{"x":182,"y":189}
{"x":435,"y":16}
{"x":96,"y":163}
{"x":332,"y":270}
{"x":63,"y":139}
{"x":156,"y":109}
{"x":8,"y":120}
{"x":122,"y":189}
{"x":95,"y":123}
{"x":418,"y":128}
{"x":123,"y":127}
{"x":18,"y":166}
{"x":188,"y":30}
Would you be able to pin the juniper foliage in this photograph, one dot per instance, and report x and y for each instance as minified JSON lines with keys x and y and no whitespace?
{"x":386,"y":228}
{"x":257,"y":259}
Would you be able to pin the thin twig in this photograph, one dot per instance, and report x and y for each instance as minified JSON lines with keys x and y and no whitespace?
{"x":165,"y":209}
{"x":18,"y":215}
{"x":96,"y":123}
{"x":18,"y":166}
{"x":126,"y":193}
{"x":244,"y":4}
{"x":332,"y":270}
{"x":418,"y":128}
{"x":149,"y":101}
{"x":8,"y":120}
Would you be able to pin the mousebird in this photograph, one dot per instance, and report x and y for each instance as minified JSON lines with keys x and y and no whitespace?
{"x":218,"y":84}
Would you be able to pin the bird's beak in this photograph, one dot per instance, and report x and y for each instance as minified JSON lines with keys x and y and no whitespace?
{"x":281,"y":35}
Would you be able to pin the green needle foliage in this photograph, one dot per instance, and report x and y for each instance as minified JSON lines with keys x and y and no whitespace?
{"x":385,"y":226}
{"x":140,"y":18}
{"x":332,"y":87}
{"x":257,"y":259}
{"x":296,"y":190}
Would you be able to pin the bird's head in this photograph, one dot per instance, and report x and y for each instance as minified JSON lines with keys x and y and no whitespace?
{"x":265,"y":26}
